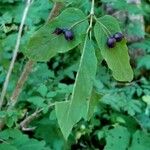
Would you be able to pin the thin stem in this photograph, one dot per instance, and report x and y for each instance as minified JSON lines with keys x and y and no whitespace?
{"x":20,"y":83}
{"x":78,"y":22}
{"x":6,"y":82}
{"x":1,"y":140}
{"x":92,"y":8}
{"x":24,"y":124}
{"x":91,"y":19}
{"x":55,"y":11}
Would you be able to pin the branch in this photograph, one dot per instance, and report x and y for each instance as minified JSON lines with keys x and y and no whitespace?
{"x":20,"y":83}
{"x":6,"y":82}
{"x":55,"y":11}
{"x":24,"y":124}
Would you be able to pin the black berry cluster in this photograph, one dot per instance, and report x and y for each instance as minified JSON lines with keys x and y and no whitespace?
{"x":111,"y":41}
{"x":68,"y":34}
{"x":58,"y":31}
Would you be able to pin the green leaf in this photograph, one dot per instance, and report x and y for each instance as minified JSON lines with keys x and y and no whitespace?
{"x":36,"y":100}
{"x":70,"y":112}
{"x":144,"y":119}
{"x":117,"y":58}
{"x":44,"y":44}
{"x":48,"y":131}
{"x":13,"y":133}
{"x":140,"y":141}
{"x":92,"y":103}
{"x":32,"y":144}
{"x":144,"y":62}
{"x":117,"y":138}
{"x":42,"y":90}
{"x":7,"y":147}
{"x":19,"y":141}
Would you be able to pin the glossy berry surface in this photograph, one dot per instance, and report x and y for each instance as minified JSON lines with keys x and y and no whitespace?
{"x":58,"y":31}
{"x":68,"y":34}
{"x":111,"y":42}
{"x":118,"y":36}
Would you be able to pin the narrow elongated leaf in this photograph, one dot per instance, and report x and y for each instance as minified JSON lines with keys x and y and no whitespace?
{"x":117,"y":58}
{"x":44,"y":44}
{"x":92,"y":103}
{"x":70,"y":112}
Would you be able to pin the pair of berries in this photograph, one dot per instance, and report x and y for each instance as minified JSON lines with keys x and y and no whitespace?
{"x":117,"y":37}
{"x":68,"y":34}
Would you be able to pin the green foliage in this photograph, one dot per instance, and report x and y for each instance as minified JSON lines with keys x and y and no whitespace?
{"x":37,"y":101}
{"x":118,"y":137}
{"x":121,"y":102}
{"x":88,"y":107}
{"x":116,"y":58}
{"x":69,"y":113}
{"x":140,"y":141}
{"x":44,"y":44}
{"x":143,"y":62}
{"x":17,"y":140}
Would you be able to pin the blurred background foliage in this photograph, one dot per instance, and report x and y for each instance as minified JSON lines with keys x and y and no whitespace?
{"x":122,"y":114}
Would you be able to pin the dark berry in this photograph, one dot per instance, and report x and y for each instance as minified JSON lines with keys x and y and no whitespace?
{"x":58,"y":31}
{"x":68,"y":34}
{"x":111,"y":42}
{"x":118,"y":36}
